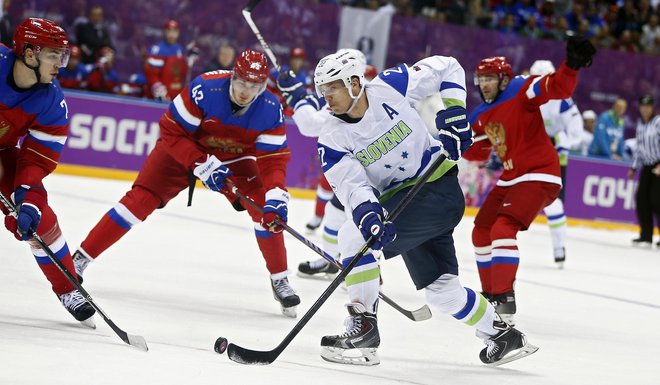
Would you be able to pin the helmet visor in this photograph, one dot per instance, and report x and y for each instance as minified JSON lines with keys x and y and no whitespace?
{"x":54,"y":56}
{"x":330,"y":89}
{"x":245,"y":91}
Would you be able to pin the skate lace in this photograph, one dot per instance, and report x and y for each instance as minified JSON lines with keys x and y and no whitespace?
{"x":491,"y":348}
{"x":353,"y":326}
{"x":282,"y":288}
{"x":80,"y":262}
{"x":72,"y":300}
{"x":319,"y":263}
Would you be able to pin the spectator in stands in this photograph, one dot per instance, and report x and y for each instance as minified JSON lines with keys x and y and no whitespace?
{"x":224,"y":60}
{"x":167,"y":65}
{"x":589,"y":119}
{"x":103,"y":77}
{"x":75,"y":74}
{"x":647,"y":155}
{"x":532,"y":29}
{"x":608,"y":135}
{"x":626,"y":42}
{"x":93,"y":35}
{"x":650,"y":35}
{"x":6,"y":25}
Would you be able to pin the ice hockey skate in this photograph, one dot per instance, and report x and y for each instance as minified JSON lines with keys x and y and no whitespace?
{"x":318,"y":269}
{"x":79,"y":308}
{"x":80,"y":262}
{"x":286,"y":296}
{"x":359,"y":344}
{"x":560,"y":257}
{"x":505,"y":306}
{"x":642,"y":243}
{"x":507,"y":345}
{"x":313,"y":224}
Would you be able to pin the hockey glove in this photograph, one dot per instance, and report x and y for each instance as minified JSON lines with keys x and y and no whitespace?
{"x":159,"y":91}
{"x":579,"y":52}
{"x":29,"y":202}
{"x":455,"y":132}
{"x":369,"y":217}
{"x":211,"y":172}
{"x":292,"y":89}
{"x":275,"y":208}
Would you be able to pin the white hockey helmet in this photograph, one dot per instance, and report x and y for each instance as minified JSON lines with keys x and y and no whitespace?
{"x":340,"y":66}
{"x":361,"y":57}
{"x":541,"y":67}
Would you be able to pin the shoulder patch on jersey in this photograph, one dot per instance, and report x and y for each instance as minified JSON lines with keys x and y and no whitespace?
{"x":397,"y":78}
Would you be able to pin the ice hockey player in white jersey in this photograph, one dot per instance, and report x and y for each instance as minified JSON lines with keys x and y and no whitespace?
{"x":373,"y":146}
{"x":565,"y":127}
{"x":296,"y":95}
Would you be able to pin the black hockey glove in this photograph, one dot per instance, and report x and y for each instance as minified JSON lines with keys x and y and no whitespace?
{"x":579,"y":52}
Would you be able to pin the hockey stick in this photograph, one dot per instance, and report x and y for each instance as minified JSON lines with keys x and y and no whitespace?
{"x":247,"y":15}
{"x":135,"y":341}
{"x":420,"y":314}
{"x":247,"y":356}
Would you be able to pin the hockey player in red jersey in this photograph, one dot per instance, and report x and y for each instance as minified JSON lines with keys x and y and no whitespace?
{"x":32,"y":108}
{"x":223,"y":125}
{"x":511,"y":119}
{"x":167,"y":64}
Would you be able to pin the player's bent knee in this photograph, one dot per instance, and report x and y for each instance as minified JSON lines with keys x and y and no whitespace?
{"x":505,"y":227}
{"x":141,"y":202}
{"x":446,"y":294}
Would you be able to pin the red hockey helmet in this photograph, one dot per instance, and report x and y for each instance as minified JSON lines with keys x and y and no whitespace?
{"x":171,"y":24}
{"x":251,"y":66}
{"x":497,"y":65}
{"x":297,"y":52}
{"x":38,"y":33}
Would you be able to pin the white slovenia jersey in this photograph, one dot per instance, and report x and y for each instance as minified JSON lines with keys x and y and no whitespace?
{"x":390,"y":145}
{"x":563,"y":122}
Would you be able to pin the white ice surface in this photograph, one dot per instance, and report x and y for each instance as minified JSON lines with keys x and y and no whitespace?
{"x":189,"y":275}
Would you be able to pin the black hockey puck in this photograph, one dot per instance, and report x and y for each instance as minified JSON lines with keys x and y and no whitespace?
{"x":220,"y":345}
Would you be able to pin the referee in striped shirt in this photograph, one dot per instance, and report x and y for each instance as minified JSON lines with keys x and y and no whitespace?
{"x":647,"y":155}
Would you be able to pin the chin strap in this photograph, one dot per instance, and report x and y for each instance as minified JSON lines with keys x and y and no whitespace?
{"x":355,"y":98}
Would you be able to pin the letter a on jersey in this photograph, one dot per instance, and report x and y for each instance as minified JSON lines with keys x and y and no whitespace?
{"x":390,"y":111}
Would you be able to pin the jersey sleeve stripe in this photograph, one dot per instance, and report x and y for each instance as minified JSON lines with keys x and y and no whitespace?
{"x":269,"y":147}
{"x":271,"y":139}
{"x":565,"y":105}
{"x":43,"y":137}
{"x":534,"y":88}
{"x":155,"y":62}
{"x":182,"y":115}
{"x":449,"y":85}
{"x":55,"y":146}
{"x":450,"y":102}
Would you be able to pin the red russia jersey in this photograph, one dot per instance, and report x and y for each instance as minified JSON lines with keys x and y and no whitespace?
{"x":200,"y":121}
{"x":166,"y":64}
{"x":39,"y":114}
{"x":515,"y":129}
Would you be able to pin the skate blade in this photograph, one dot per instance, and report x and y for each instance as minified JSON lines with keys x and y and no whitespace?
{"x":560,"y":265}
{"x":525,"y":351}
{"x":89,"y":322}
{"x":360,"y":356}
{"x":290,"y":311}
{"x":318,"y":277}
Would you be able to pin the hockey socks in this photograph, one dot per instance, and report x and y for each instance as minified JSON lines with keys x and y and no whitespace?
{"x":114,"y":225}
{"x":363,"y":282}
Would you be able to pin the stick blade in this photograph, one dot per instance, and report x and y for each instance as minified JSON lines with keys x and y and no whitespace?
{"x":422,"y":314}
{"x":137,"y":342}
{"x":251,"y":357}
